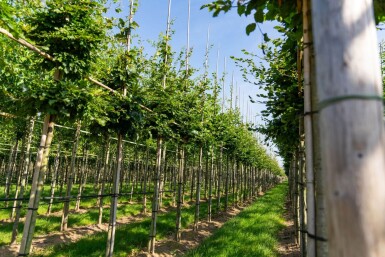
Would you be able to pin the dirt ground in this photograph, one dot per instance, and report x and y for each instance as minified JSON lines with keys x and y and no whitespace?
{"x":190,"y":238}
{"x":287,"y":245}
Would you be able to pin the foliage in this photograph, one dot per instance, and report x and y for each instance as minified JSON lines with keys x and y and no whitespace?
{"x":69,"y":31}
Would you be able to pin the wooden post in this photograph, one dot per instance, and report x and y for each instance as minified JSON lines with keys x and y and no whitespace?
{"x":37,"y":185}
{"x":105,"y":168}
{"x":310,"y":196}
{"x":180,"y":192}
{"x":151,"y":244}
{"x":198,"y":189}
{"x":53,"y":181}
{"x":23,"y":178}
{"x":114,"y":198}
{"x":70,"y":180}
{"x":351,"y":126}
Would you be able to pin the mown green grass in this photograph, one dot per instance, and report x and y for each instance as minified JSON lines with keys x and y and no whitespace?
{"x":252,"y":233}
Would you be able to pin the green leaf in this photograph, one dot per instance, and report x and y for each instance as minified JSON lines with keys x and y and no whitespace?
{"x":265,"y":37}
{"x":250,"y":28}
{"x":241,"y":9}
{"x":259,"y":16}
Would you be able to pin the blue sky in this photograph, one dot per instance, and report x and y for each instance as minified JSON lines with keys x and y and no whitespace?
{"x":227,"y":35}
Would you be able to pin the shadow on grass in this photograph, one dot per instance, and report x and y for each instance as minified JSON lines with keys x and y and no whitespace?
{"x":252,"y":233}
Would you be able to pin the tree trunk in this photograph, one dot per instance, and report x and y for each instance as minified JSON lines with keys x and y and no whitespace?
{"x":151,"y":244}
{"x":220,"y":170}
{"x":180,"y":192}
{"x":24,"y":180}
{"x":198,"y":189}
{"x":10,"y":166}
{"x":70,"y":180}
{"x":37,"y":185}
{"x":104,"y":178}
{"x":83,"y":178}
{"x":310,"y":196}
{"x":114,"y":198}
{"x":351,"y":126}
{"x":210,"y":185}
{"x":53,"y":182}
{"x":144,"y":191}
{"x":227,"y":184}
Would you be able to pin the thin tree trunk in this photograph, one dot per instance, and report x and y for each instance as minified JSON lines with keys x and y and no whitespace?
{"x":53,"y":182}
{"x":24,"y":180}
{"x":310,"y":196}
{"x":10,"y":166}
{"x":37,"y":185}
{"x":104,"y":178}
{"x":198,"y":189}
{"x":180,"y":192}
{"x":220,"y":170}
{"x":210,"y":177}
{"x":19,"y":175}
{"x":227,"y":182}
{"x":301,"y":186}
{"x":151,"y":244}
{"x":83,"y":177}
{"x":144,"y":209}
{"x":70,"y":180}
{"x":114,"y":198}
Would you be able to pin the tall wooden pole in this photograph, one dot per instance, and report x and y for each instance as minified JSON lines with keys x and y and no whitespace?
{"x":37,"y":185}
{"x":351,"y":126}
{"x":310,"y":204}
{"x":70,"y":180}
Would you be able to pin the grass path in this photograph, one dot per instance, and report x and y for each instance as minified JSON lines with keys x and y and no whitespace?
{"x":254,"y":232}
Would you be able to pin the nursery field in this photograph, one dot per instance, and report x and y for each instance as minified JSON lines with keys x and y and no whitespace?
{"x":123,"y":140}
{"x":84,"y":238}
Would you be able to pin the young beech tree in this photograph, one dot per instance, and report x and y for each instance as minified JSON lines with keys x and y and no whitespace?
{"x":68,"y":32}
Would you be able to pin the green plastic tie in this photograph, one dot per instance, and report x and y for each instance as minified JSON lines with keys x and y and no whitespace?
{"x":325,"y":103}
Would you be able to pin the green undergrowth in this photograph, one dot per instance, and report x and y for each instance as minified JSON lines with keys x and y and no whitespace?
{"x":129,"y":238}
{"x":252,"y":233}
{"x":88,"y":214}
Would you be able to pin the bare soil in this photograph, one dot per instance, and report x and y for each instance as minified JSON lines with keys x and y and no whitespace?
{"x":70,"y":236}
{"x":287,"y":245}
{"x":190,"y":239}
